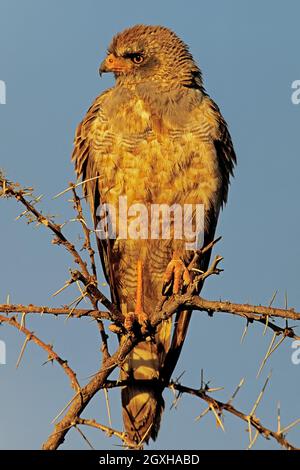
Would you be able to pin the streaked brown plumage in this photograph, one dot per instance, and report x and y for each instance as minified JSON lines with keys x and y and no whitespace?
{"x":156,"y":137}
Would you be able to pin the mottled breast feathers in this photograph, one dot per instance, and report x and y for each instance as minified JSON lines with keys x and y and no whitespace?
{"x":103,"y":131}
{"x":122,"y":138}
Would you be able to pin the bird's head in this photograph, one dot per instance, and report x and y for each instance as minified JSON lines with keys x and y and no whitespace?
{"x":150,"y":53}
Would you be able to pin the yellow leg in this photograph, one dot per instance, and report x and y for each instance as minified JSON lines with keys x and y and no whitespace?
{"x":138,"y":315}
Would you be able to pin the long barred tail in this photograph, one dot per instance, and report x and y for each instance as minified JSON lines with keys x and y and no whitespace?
{"x":143,"y":403}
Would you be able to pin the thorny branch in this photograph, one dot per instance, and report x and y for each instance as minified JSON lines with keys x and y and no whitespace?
{"x":194,"y":303}
{"x":87,"y":233}
{"x":167,"y":307}
{"x":109,"y":431}
{"x":52,"y":355}
{"x":217,"y":407}
{"x":9,"y":189}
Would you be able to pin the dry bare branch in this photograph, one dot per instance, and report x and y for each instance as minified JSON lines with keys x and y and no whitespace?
{"x":167,"y":307}
{"x":252,"y":419}
{"x":108,"y":430}
{"x":30,"y":336}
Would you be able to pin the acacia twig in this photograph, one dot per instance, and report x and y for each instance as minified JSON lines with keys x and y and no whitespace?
{"x":43,"y":310}
{"x":252,"y":419}
{"x":87,"y":233}
{"x":10,"y":189}
{"x":30,"y":336}
{"x":108,"y":430}
{"x":88,"y":392}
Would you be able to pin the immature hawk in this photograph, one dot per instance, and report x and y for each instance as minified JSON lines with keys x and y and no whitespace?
{"x":157,"y":138}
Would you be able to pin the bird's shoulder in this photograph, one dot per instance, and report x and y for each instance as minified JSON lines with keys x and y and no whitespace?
{"x":94,"y":115}
{"x":207,"y":118}
{"x":94,"y":123}
{"x":213,"y":123}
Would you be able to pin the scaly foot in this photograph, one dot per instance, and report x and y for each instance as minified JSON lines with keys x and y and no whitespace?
{"x":176,"y":276}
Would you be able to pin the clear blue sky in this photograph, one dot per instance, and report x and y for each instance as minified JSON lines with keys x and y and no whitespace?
{"x":249,"y":54}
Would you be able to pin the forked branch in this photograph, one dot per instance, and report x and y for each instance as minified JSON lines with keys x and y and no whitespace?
{"x":86,"y":279}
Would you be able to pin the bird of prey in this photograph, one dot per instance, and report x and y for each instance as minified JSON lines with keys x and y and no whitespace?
{"x":155,"y":137}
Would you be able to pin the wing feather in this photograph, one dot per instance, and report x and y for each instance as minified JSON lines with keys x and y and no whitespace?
{"x":225,"y":152}
{"x":91,"y":138}
{"x":220,"y":136}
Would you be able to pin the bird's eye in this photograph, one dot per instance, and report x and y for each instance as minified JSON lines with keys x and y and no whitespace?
{"x":137,"y":58}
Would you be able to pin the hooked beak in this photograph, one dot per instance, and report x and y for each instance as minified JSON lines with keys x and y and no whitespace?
{"x":114,"y":64}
